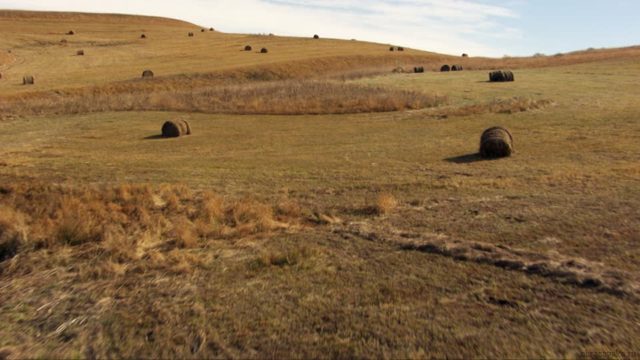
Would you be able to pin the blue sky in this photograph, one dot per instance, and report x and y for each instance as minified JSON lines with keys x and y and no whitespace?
{"x":478,"y":27}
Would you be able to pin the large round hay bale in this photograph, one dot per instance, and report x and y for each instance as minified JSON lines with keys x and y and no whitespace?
{"x":248,"y":48}
{"x":80,"y":52}
{"x":143,"y":36}
{"x":445,"y":68}
{"x":203,"y":30}
{"x":456,"y":68}
{"x":465,"y":55}
{"x":147,"y":74}
{"x":264,"y":51}
{"x":392,"y":48}
{"x":400,"y":48}
{"x":501,"y":76}
{"x":71,"y":32}
{"x":28,"y":80}
{"x":191,"y":34}
{"x":212,"y":29}
{"x":418,"y":69}
{"x":316,"y":36}
{"x":496,"y":142}
{"x":176,"y":128}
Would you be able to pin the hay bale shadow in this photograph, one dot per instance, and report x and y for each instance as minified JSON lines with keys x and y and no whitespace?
{"x":465,"y":159}
{"x":154,"y":137}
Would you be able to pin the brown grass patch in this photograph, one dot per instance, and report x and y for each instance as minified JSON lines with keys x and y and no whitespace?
{"x":496,"y":106}
{"x":277,"y":98}
{"x":385,"y":204}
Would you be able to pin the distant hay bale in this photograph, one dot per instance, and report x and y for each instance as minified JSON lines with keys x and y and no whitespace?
{"x":176,"y":128}
{"x":465,"y":55}
{"x":418,"y":69}
{"x":248,"y":48}
{"x":456,"y":68}
{"x":400,"y":48}
{"x":143,"y":36}
{"x":147,"y":74}
{"x":71,"y":32}
{"x":80,"y":52}
{"x":496,"y":142}
{"x":316,"y":36}
{"x":203,"y":30}
{"x":28,"y":80}
{"x":501,"y":76}
{"x":191,"y":34}
{"x":212,"y":29}
{"x":445,"y":68}
{"x":264,"y":50}
{"x":63,"y":42}
{"x":392,"y":48}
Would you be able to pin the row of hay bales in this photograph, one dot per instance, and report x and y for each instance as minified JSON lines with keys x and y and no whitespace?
{"x":447,"y":68}
{"x":396,"y":48}
{"x":495,"y":142}
{"x":262,"y":51}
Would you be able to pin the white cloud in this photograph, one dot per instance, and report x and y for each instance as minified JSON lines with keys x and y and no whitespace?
{"x":449,"y":26}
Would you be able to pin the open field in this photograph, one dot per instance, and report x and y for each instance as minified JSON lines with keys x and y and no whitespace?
{"x":266,"y":235}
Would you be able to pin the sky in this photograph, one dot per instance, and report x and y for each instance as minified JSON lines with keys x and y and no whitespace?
{"x":477,"y":27}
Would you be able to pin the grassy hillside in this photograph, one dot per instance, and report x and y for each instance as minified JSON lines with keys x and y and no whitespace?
{"x":355,"y":232}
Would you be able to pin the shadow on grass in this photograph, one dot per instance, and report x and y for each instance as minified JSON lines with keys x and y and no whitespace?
{"x":465,"y":159}
{"x":154,"y":137}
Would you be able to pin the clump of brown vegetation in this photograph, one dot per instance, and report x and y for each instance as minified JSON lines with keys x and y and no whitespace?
{"x":274,"y":97}
{"x":176,"y":128}
{"x":496,"y":142}
{"x":497,"y":106}
{"x":127,"y":222}
{"x":385,"y":204}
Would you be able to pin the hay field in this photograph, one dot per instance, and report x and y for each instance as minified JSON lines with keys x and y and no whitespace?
{"x":376,"y":234}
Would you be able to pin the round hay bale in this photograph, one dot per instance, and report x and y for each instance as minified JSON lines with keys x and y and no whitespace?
{"x":501,"y":76}
{"x":392,"y":49}
{"x":176,"y":128}
{"x":212,"y":29}
{"x":316,"y":36}
{"x":400,"y":48}
{"x":143,"y":36}
{"x":445,"y":68}
{"x":80,"y":52}
{"x":28,"y":80}
{"x":191,"y":34}
{"x":418,"y":69}
{"x":496,"y":142}
{"x":264,"y":51}
{"x":248,"y":48}
{"x":456,"y":68}
{"x":71,"y":32}
{"x":465,"y":55}
{"x":147,"y":74}
{"x":203,"y":30}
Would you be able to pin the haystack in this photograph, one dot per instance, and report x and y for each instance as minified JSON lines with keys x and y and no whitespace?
{"x":501,"y":76}
{"x":147,"y":74}
{"x":80,"y":52}
{"x":176,"y":128}
{"x":445,"y":68}
{"x":456,"y":68}
{"x":392,"y":48}
{"x":212,"y":29}
{"x":316,"y":36}
{"x":190,"y":34}
{"x":264,"y":51}
{"x":248,"y":48}
{"x":143,"y":36}
{"x":28,"y":80}
{"x":496,"y":142}
{"x":71,"y":32}
{"x":465,"y":55}
{"x":418,"y":69}
{"x":400,"y":48}
{"x":203,"y":30}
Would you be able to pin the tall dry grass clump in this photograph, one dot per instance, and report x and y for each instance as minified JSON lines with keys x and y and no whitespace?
{"x":385,"y":204}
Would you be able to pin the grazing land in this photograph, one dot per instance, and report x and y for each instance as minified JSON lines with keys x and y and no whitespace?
{"x":324,"y":206}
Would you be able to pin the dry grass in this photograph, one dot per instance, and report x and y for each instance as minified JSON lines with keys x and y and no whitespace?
{"x":385,"y":204}
{"x":278,"y":97}
{"x":125,"y":223}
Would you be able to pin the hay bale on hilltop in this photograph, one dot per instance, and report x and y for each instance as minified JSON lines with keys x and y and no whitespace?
{"x":248,"y":48}
{"x":80,"y":52}
{"x":496,"y":142}
{"x":147,"y":74}
{"x":445,"y":68}
{"x":501,"y":76}
{"x":176,"y":128}
{"x":203,"y":30}
{"x":456,"y":68}
{"x":400,"y":48}
{"x":264,"y":51}
{"x":465,"y":55}
{"x":392,"y":48}
{"x":316,"y":36}
{"x":212,"y":29}
{"x":28,"y":80}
